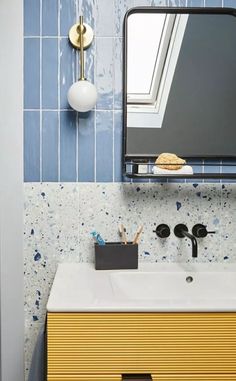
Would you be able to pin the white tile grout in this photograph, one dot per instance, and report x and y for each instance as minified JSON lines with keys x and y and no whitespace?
{"x":77,"y":11}
{"x":113,"y":111}
{"x":95,"y":83}
{"x":59,"y":90}
{"x":40,"y":92}
{"x":66,"y":37}
{"x":66,"y":109}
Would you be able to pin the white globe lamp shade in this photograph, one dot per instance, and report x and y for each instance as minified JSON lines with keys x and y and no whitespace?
{"x":82,"y":96}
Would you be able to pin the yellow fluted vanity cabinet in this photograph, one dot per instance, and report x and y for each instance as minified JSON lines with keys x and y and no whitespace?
{"x":169,"y":346}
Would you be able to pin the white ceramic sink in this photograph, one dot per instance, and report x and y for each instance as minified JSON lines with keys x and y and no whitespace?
{"x":153,"y":287}
{"x":173,"y":285}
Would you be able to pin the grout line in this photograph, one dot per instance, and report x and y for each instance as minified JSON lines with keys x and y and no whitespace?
{"x":77,"y":146}
{"x":66,"y":37}
{"x":95,"y":83}
{"x":66,"y":109}
{"x":113,"y":113}
{"x":59,"y":90}
{"x":46,"y":37}
{"x":40,"y":93}
{"x":77,"y":11}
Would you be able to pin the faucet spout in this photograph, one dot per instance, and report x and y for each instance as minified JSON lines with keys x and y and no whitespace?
{"x":194,"y":242}
{"x":181,"y":231}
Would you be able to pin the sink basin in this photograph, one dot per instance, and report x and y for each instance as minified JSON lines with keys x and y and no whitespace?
{"x":152,"y":288}
{"x":173,"y":285}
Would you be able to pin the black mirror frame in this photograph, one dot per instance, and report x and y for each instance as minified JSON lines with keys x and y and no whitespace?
{"x":150,"y":9}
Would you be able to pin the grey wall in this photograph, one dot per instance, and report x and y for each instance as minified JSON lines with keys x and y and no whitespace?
{"x":11,"y":191}
{"x":200,"y":113}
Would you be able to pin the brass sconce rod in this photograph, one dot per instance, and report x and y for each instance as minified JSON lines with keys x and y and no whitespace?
{"x":81,"y":31}
{"x":81,"y":37}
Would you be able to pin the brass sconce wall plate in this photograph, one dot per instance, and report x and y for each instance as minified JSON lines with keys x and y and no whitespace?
{"x":74,"y":36}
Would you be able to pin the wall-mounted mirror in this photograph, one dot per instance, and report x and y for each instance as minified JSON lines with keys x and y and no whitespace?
{"x":180,"y":82}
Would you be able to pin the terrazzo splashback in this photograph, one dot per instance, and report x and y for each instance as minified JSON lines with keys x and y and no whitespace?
{"x":59,"y":218}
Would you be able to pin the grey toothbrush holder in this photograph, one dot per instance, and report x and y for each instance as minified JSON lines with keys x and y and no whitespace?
{"x":116,"y":256}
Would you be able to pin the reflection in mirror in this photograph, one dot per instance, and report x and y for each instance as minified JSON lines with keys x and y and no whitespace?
{"x":181,"y":86}
{"x":150,"y":92}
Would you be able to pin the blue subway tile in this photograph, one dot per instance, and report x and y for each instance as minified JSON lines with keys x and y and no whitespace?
{"x":213,"y":3}
{"x":142,"y":3}
{"x":67,"y":16}
{"x":118,"y":137}
{"x":105,"y":18}
{"x":160,"y":3}
{"x":196,"y":164}
{"x":50,"y":18}
{"x":50,"y":146}
{"x":31,"y":17}
{"x":31,"y":146}
{"x":195,"y":3}
{"x":104,"y":146}
{"x":88,"y":10}
{"x":89,"y":63}
{"x":68,"y":146}
{"x":86,"y":147}
{"x":176,"y":180}
{"x":31,"y":73}
{"x":49,"y":73}
{"x":215,"y":168}
{"x":104,"y":78}
{"x":118,"y":67}
{"x":67,"y":70}
{"x":177,"y":3}
{"x":230,"y":3}
{"x":120,"y":7}
{"x":229,"y":166}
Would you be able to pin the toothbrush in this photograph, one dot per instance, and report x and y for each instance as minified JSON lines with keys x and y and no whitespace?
{"x":137,"y":235}
{"x":97,"y":237}
{"x":122,"y":234}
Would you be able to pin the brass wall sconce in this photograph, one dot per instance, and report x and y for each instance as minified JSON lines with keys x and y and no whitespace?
{"x":82,"y":95}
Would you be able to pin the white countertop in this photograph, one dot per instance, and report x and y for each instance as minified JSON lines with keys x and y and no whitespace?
{"x":78,"y":287}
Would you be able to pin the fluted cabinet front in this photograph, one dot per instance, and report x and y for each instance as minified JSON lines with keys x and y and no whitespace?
{"x":169,"y":346}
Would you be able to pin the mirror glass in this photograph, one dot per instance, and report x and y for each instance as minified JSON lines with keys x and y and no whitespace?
{"x":180,"y":91}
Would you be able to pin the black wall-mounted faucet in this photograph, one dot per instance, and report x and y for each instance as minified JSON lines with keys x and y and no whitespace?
{"x":200,"y":231}
{"x":162,"y":231}
{"x":181,"y":231}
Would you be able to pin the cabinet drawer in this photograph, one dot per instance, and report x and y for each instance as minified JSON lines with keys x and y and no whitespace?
{"x":155,"y":343}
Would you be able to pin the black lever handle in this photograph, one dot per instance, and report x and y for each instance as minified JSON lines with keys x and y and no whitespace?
{"x":200,"y":231}
{"x":162,"y":231}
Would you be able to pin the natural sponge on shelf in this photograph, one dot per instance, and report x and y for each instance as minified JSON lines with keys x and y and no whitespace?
{"x":169,"y":161}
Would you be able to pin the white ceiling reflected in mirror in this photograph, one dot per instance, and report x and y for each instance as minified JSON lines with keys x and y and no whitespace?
{"x":154,"y":43}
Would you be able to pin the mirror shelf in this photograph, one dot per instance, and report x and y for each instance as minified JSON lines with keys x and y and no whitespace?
{"x":199,"y":169}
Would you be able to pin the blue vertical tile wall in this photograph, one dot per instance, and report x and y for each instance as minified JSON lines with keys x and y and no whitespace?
{"x":60,"y":145}
{"x":32,"y":145}
{"x":68,"y":146}
{"x":50,"y":146}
